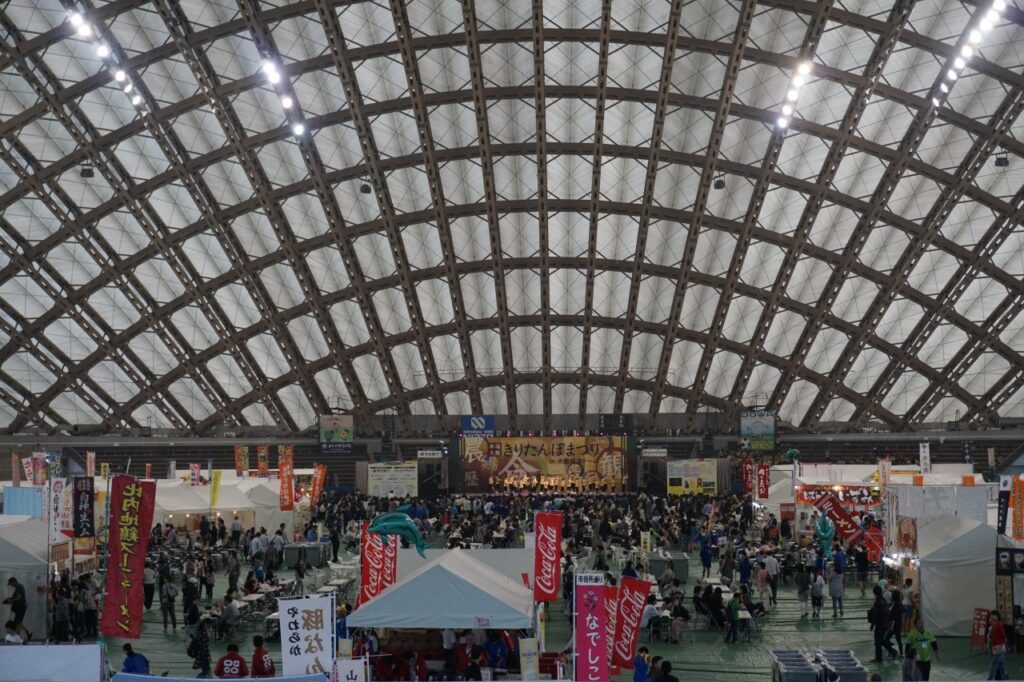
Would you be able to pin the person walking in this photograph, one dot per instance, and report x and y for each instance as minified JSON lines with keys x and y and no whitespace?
{"x":148,"y":584}
{"x":896,"y":617}
{"x":861,"y":563}
{"x":803,"y":589}
{"x":772,"y":564}
{"x":997,"y":646}
{"x":836,"y":589}
{"x":199,"y":651}
{"x":300,"y":577}
{"x":817,"y":593}
{"x":19,"y":606}
{"x":168,"y":593}
{"x":926,"y":647}
{"x":878,"y":616}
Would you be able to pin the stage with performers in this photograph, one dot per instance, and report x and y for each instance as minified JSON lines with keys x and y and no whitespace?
{"x":567,"y":464}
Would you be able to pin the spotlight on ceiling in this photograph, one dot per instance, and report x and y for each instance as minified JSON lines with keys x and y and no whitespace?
{"x":719,"y":183}
{"x":298,"y":129}
{"x":86,"y":171}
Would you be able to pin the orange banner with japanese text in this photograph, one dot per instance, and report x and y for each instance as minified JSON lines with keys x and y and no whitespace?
{"x":284,"y":466}
{"x":241,"y":460}
{"x":131,"y":517}
{"x":317,"y":487}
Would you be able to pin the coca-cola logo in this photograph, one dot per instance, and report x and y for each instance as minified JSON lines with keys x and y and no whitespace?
{"x":548,"y":551}
{"x":631,"y":606}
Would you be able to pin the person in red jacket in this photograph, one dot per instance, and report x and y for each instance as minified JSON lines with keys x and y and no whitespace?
{"x":262,"y":662}
{"x":413,"y":667}
{"x":231,"y":666}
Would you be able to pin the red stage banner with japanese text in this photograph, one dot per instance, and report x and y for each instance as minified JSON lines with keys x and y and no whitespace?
{"x":846,"y":527}
{"x":632,"y":600}
{"x":317,"y":486}
{"x":547,"y":556}
{"x":131,"y":517}
{"x":378,"y":564}
{"x":262,"y":461}
{"x":284,"y":473}
{"x":591,"y":642}
{"x":747,"y":469}
{"x":764,"y":480}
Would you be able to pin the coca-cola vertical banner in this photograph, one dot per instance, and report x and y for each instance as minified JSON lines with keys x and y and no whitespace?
{"x":632,"y":599}
{"x":547,"y":556}
{"x":764,"y":480}
{"x":83,"y":507}
{"x":591,"y":642}
{"x":378,"y":564}
{"x":1005,"y":482}
{"x":747,"y":468}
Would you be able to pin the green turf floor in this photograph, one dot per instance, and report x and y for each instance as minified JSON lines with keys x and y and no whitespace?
{"x":704,"y":657}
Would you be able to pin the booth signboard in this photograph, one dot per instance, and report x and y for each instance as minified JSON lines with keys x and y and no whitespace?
{"x":852,"y":496}
{"x":397,"y":480}
{"x":307,"y":634}
{"x":529,"y":658}
{"x":654,"y":452}
{"x":587,"y":462}
{"x":979,"y":628}
{"x":787,"y":510}
{"x":429,"y":454}
{"x":336,"y":433}
{"x":757,"y":430}
{"x":692,"y":476}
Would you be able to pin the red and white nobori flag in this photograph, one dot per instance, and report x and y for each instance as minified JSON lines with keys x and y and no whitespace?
{"x":591,"y":640}
{"x":378,"y":564}
{"x":547,"y":556}
{"x":764,"y":480}
{"x":747,"y":467}
{"x":632,"y":599}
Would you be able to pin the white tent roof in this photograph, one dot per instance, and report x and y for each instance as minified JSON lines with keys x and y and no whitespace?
{"x":957,"y":572}
{"x":22,"y":542}
{"x":455,"y":590}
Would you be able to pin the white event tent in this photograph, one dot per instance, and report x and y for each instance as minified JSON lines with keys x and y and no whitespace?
{"x":454,"y":590}
{"x":23,"y":556}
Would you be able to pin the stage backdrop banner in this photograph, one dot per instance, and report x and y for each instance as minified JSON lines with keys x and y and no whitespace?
{"x":131,"y":518}
{"x":399,"y":480}
{"x":632,"y":599}
{"x":591,"y":643}
{"x":547,"y":556}
{"x":307,"y":634}
{"x":692,"y":476}
{"x":591,"y":460}
{"x":336,"y":433}
{"x":757,"y":430}
{"x":84,"y":508}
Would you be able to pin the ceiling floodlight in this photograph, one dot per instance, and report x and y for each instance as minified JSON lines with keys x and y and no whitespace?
{"x":783,"y":122}
{"x":792,"y":95}
{"x":286,"y":102}
{"x":269,"y":67}
{"x":274,"y":77}
{"x":804,"y":68}
{"x":959,"y":63}
{"x":787,"y":110}
{"x":119,"y":75}
{"x":137,"y":100}
{"x":952,"y":75}
{"x":128,"y":88}
{"x":966,"y":51}
{"x":943,"y":87}
{"x":798,"y":81}
{"x":85,"y":30}
{"x":993,"y":15}
{"x":298,"y":129}
{"x":999,"y":5}
{"x":76,"y":19}
{"x":102,"y":51}
{"x":986,"y":23}
{"x":936,"y":102}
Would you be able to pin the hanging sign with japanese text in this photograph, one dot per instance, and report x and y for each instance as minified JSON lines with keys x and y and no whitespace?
{"x":131,"y":518}
{"x":83,"y":506}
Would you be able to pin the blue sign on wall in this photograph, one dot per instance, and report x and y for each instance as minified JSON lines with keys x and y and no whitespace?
{"x":478,"y":425}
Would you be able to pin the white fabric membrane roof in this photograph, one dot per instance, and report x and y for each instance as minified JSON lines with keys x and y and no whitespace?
{"x":466,"y":202}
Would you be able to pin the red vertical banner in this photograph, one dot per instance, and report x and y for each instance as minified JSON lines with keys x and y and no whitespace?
{"x":764,"y":480}
{"x":632,"y":600}
{"x":15,"y":471}
{"x":149,"y":470}
{"x":284,"y":473}
{"x":747,"y":467}
{"x":378,"y":564}
{"x":239,"y":449}
{"x":317,"y":486}
{"x":90,"y":464}
{"x":194,"y":471}
{"x":590,"y":637}
{"x":611,"y":600}
{"x":1017,"y":502}
{"x":547,"y":556}
{"x":262,"y":461}
{"x":131,"y":517}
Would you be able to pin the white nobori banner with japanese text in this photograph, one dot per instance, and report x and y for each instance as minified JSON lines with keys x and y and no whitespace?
{"x":307,"y":634}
